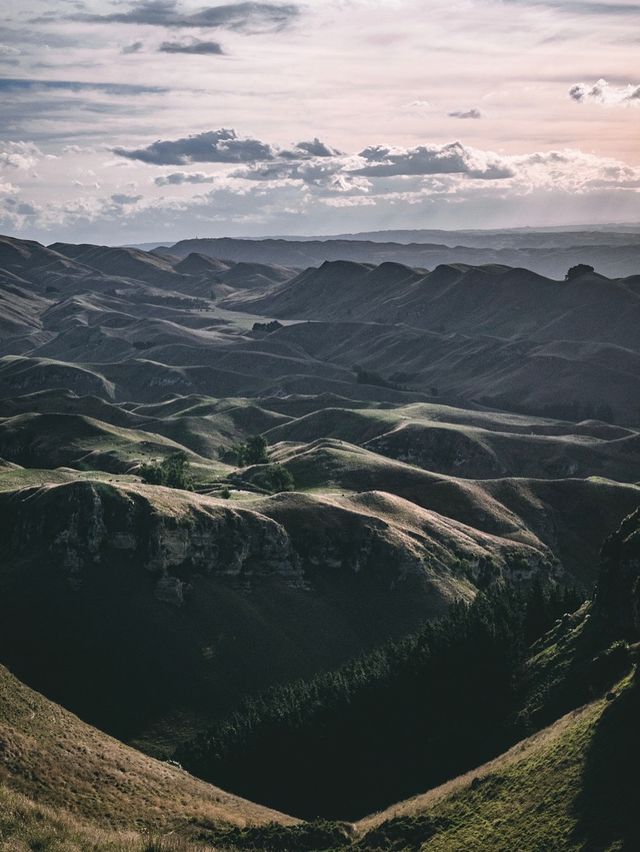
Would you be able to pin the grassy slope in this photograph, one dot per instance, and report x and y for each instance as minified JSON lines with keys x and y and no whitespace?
{"x":568,"y":787}
{"x":26,"y":825}
{"x":52,"y":758}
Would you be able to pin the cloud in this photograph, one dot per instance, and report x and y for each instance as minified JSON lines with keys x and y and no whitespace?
{"x":326,"y":195}
{"x":320,"y":172}
{"x":418,"y":106}
{"x":19,"y":155}
{"x":213,"y":146}
{"x":17,"y":84}
{"x":136,"y":47}
{"x":179,"y":178}
{"x":603,"y":93}
{"x":241,"y":17}
{"x":465,"y":113}
{"x":454,"y":158}
{"x":585,"y":7}
{"x":198,"y":48}
{"x":16,"y":207}
{"x":123,"y":200}
{"x":316,"y":164}
{"x":314,"y":148}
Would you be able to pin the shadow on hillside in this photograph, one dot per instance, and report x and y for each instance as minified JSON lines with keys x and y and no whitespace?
{"x":608,"y":804}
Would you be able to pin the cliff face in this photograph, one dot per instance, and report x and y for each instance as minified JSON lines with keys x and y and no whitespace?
{"x":83,"y":527}
{"x":144,"y":608}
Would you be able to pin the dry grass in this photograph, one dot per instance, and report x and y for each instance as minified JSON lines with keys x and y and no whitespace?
{"x":56,"y":760}
{"x":27,"y":826}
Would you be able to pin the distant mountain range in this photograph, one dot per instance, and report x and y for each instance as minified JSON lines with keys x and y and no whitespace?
{"x":551,"y":254}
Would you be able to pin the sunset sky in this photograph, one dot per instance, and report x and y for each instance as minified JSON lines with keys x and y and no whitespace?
{"x":131,"y":122}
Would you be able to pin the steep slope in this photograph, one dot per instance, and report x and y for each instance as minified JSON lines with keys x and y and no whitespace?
{"x":399,"y":714}
{"x":572,"y":786}
{"x":93,"y":783}
{"x":184,"y":603}
{"x":569,"y":787}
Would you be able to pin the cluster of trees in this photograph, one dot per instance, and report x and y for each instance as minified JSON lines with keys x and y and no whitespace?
{"x":577,"y":271}
{"x":396,"y":721}
{"x":252,"y":451}
{"x":183,"y":302}
{"x":172,"y":471}
{"x":274,"y":478}
{"x":267,"y":327}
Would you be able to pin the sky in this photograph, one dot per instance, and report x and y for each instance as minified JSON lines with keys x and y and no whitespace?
{"x":127,"y":122}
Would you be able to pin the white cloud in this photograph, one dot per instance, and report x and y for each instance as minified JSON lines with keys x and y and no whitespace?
{"x":19,"y":155}
{"x":602,"y":92}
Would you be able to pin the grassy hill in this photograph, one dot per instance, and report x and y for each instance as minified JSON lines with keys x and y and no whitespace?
{"x":460,"y":436}
{"x":569,"y":787}
{"x":64,"y":782}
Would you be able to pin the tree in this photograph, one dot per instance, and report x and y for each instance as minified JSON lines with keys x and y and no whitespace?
{"x":577,"y":271}
{"x":256,"y":450}
{"x":173,"y":472}
{"x":274,"y":478}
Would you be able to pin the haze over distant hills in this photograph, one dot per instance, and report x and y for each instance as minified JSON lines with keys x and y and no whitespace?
{"x":551,"y":253}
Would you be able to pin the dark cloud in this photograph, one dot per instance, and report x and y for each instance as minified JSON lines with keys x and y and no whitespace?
{"x":21,"y":208}
{"x":136,"y":47}
{"x":179,"y":178}
{"x":242,"y":17}
{"x":304,"y":150}
{"x":316,"y":172}
{"x":18,"y":84}
{"x":465,"y":113}
{"x":429,"y":160}
{"x":584,"y":7}
{"x":213,"y":146}
{"x":199,"y":48}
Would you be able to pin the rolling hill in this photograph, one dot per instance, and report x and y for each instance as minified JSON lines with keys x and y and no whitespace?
{"x":447,"y":443}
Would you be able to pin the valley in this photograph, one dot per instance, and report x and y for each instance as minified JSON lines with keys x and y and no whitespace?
{"x":435,"y":435}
